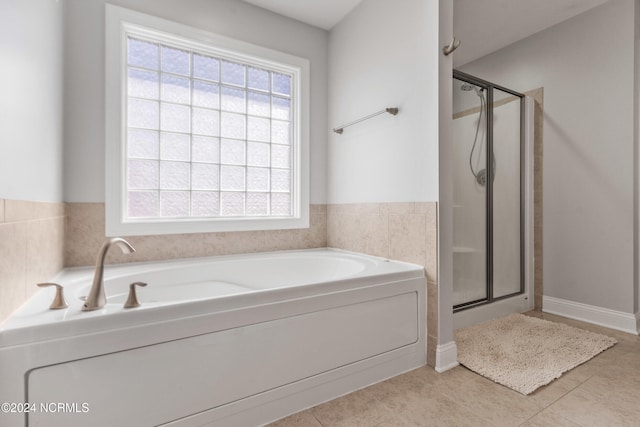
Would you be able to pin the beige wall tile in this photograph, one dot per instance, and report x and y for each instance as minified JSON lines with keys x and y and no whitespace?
{"x":12,"y":267}
{"x":354,"y":208}
{"x":431,"y":238}
{"x":313,"y":237}
{"x":432,"y":309}
{"x":368,"y":208}
{"x":424,"y":207}
{"x":1,"y":210}
{"x":20,"y":210}
{"x":407,"y":240}
{"x":432,"y":346}
{"x":537,"y":302}
{"x":85,"y":235}
{"x":362,"y":232}
{"x":31,"y":249}
{"x":398,"y":208}
{"x":538,"y":144}
{"x":337,"y":209}
{"x":334,"y":229}
{"x":44,"y":251}
{"x":432,"y":322}
{"x":318,"y":209}
{"x":391,"y":230}
{"x":358,"y":228}
{"x":370,"y":234}
{"x":149,"y":248}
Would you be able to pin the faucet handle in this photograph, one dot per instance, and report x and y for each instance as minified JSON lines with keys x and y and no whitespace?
{"x":58,"y":301}
{"x":132,"y":300}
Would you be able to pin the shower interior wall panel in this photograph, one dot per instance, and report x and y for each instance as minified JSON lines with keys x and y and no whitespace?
{"x":469,"y":211}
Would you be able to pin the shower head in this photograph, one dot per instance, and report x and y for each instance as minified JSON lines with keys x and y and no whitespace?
{"x":467,"y":87}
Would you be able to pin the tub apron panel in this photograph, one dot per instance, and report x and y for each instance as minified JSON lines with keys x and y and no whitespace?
{"x":164,"y":382}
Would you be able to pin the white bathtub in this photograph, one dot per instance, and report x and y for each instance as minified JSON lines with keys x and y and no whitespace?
{"x":234,"y":340}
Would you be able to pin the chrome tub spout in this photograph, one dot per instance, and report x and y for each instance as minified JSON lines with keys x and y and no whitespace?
{"x":97,"y":298}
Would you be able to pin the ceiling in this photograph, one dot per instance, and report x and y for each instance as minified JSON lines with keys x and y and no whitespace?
{"x":319,"y":13}
{"x":484,"y":26}
{"x":489,"y":25}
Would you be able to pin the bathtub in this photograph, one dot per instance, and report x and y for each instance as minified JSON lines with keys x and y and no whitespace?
{"x":231,"y":340}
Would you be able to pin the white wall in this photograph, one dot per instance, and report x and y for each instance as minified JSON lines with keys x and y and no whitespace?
{"x":31,"y":100}
{"x":383,"y":54}
{"x":84,"y":74}
{"x":586,"y":66}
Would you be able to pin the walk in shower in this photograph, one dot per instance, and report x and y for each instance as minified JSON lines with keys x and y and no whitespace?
{"x":490,"y":191}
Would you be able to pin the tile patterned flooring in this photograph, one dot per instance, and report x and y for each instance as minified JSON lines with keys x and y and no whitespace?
{"x":604,"y":391}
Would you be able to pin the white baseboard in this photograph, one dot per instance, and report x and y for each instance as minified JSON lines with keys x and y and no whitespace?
{"x":613,"y":319}
{"x":446,"y":356}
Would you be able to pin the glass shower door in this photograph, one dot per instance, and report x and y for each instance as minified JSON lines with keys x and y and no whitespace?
{"x":469,"y":194}
{"x":488,"y":166}
{"x":506,"y":194}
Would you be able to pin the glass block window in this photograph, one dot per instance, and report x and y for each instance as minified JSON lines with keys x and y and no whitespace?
{"x":206,"y":135}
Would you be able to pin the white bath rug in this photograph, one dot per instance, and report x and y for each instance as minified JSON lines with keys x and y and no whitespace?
{"x":524,"y":352}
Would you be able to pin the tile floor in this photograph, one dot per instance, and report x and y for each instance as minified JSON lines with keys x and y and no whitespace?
{"x":604,"y":391}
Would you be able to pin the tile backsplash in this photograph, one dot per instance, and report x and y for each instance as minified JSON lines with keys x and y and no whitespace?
{"x":85,"y":235}
{"x":401,"y":231}
{"x":31,"y":249}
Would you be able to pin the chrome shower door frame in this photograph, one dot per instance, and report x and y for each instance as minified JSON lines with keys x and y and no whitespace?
{"x":489,"y":88}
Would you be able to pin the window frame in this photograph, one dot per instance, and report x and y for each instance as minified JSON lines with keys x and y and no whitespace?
{"x":120,"y":23}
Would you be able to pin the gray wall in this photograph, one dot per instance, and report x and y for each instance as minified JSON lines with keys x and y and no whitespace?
{"x":384,"y":55}
{"x":31,"y":85}
{"x":586,"y":66}
{"x":84,"y":75}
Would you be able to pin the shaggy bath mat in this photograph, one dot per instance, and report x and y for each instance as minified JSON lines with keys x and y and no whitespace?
{"x":524,"y":352}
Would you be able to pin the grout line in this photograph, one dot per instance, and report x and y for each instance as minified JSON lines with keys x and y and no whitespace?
{"x":316,"y":418}
{"x":557,"y":400}
{"x":525,"y":422}
{"x":388,"y":234}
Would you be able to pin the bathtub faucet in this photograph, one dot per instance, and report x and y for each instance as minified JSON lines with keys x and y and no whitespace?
{"x":97,"y":298}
